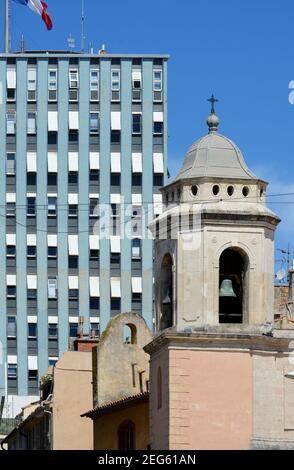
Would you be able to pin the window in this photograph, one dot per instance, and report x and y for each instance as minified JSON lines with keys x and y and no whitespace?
{"x":33,"y":375}
{"x":52,"y":288}
{"x":94,"y":84}
{"x":94,"y":303}
{"x":11,"y":251}
{"x":11,"y":122}
{"x":10,"y":163}
{"x":73,"y":177}
{"x":32,"y":294}
{"x":94,"y":207}
{"x":52,"y":85}
{"x":31,"y":251}
{"x":126,"y":436}
{"x":11,"y":291}
{"x":157,"y":85}
{"x":115,"y":137}
{"x":137,"y":123}
{"x":11,"y":83}
{"x":52,"y":361}
{"x":73,"y":294}
{"x":12,"y":371}
{"x":73,"y":330}
{"x":115,"y":218}
{"x":52,"y":330}
{"x":137,"y":85}
{"x":94,"y":123}
{"x":52,"y":206}
{"x":11,"y":327}
{"x":32,"y":84}
{"x":158,"y":128}
{"x":73,"y":85}
{"x":72,"y":210}
{"x":73,"y":262}
{"x":96,"y":328}
{"x":94,"y":175}
{"x":10,"y":209}
{"x":94,"y":255}
{"x":32,"y":330}
{"x":115,"y":85}
{"x":136,"y":248}
{"x":137,"y":220}
{"x":31,"y":123}
{"x":31,"y":206}
{"x":52,"y":252}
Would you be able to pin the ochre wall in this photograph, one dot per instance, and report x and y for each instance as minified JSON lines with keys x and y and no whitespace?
{"x":72,"y":397}
{"x":105,"y":427}
{"x":210,"y":400}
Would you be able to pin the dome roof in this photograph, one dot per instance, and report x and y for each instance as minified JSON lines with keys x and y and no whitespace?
{"x":214,"y":156}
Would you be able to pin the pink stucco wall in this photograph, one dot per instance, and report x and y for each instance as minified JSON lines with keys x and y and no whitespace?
{"x":207,"y":400}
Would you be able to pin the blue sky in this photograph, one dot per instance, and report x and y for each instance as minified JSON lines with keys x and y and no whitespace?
{"x":242,"y":51}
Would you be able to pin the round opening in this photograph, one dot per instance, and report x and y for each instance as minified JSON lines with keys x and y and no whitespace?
{"x":166,"y":198}
{"x":179,"y":193}
{"x":245,"y":191}
{"x":194,"y":190}
{"x":230,"y":190}
{"x":172,"y":196}
{"x":261,"y":193}
{"x":215,"y":189}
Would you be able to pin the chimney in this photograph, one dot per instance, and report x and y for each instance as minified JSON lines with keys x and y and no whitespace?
{"x":81,"y":327}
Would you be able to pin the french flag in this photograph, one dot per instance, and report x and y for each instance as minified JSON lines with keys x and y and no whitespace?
{"x":38,"y":7}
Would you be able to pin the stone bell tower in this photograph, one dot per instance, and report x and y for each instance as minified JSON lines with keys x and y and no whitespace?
{"x":214,"y":242}
{"x":221,"y":368}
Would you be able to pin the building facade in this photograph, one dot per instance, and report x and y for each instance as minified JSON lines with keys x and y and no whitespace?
{"x":83,"y":142}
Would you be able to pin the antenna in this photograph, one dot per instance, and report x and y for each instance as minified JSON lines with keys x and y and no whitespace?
{"x":22,"y":44}
{"x":83,"y":27}
{"x":71,"y":42}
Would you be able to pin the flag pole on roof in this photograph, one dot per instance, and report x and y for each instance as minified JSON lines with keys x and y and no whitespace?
{"x":7,"y":27}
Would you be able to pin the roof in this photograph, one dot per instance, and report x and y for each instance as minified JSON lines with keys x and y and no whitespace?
{"x":116,"y":405}
{"x":68,"y":54}
{"x":214,"y":155}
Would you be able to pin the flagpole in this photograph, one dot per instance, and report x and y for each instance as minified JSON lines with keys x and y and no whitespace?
{"x":83,"y":27}
{"x":7,"y":27}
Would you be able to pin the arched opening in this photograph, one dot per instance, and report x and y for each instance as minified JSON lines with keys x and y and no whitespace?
{"x":130,"y":334}
{"x":159,"y":388}
{"x":166,"y":293}
{"x":233,"y":286}
{"x":126,"y":436}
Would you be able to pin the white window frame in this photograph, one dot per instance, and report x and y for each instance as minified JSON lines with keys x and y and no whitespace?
{"x":52,"y":214}
{"x":52,"y":84}
{"x":52,"y":288}
{"x":32,"y":84}
{"x":96,"y":130}
{"x":14,"y":163}
{"x":157,"y":80}
{"x":137,"y":133}
{"x":32,"y":118}
{"x":94,"y":83}
{"x":73,"y":83}
{"x":11,"y":119}
{"x":114,"y":80}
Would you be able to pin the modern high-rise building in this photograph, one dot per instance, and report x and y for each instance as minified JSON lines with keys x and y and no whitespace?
{"x":83,"y":144}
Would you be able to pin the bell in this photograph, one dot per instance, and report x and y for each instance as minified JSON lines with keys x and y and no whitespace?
{"x":167,"y":299}
{"x":226,"y":289}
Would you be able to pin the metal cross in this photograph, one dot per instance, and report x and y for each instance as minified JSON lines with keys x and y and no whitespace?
{"x":212,"y":100}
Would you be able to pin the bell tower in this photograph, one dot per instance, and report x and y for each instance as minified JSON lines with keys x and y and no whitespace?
{"x":214,"y":242}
